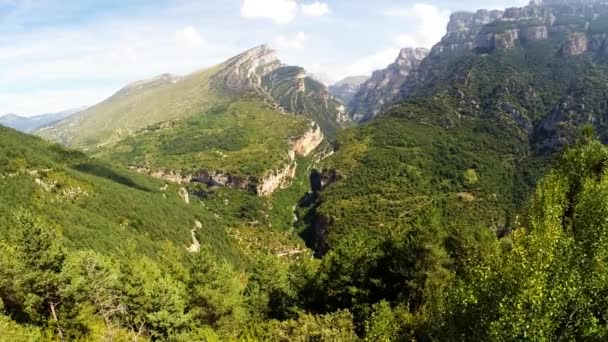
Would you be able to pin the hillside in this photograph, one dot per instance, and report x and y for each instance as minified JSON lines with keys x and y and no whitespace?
{"x":469,"y":202}
{"x":99,"y":206}
{"x":475,"y":125}
{"x":168,"y":98}
{"x":451,"y":163}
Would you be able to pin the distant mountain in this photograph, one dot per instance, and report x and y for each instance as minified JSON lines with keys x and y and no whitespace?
{"x":31,"y":123}
{"x":168,"y":97}
{"x":346,"y":89}
{"x":384,"y":86}
{"x":242,"y":124}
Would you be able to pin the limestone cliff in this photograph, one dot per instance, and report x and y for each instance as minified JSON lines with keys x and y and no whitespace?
{"x":384,"y":85}
{"x":270,"y":182}
{"x":582,"y":21}
{"x":290,"y":88}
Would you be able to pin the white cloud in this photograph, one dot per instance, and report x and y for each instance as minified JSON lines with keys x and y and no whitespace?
{"x":54,"y":69}
{"x":280,"y":11}
{"x":297,"y":41}
{"x":315,"y":9}
{"x":428,"y":24}
{"x":189,"y":37}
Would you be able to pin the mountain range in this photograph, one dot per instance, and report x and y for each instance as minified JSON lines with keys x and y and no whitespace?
{"x":459,"y":194}
{"x":29,"y":124}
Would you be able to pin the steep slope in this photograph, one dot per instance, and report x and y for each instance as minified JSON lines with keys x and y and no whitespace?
{"x":259,"y":70}
{"x":384,"y":86}
{"x":169,"y":97}
{"x":346,"y":89}
{"x":295,"y":92}
{"x":539,"y":68}
{"x":475,"y":125}
{"x":32,"y":123}
{"x":135,"y":107}
{"x":99,"y":206}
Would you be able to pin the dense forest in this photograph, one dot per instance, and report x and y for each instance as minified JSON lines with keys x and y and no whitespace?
{"x":473,"y":207}
{"x":425,"y":281}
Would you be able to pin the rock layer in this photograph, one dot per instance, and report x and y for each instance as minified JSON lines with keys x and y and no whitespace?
{"x":273,"y":180}
{"x":384,"y":85}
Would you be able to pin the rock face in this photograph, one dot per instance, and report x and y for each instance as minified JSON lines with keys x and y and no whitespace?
{"x":245,"y":71}
{"x":462,"y":30}
{"x":583,"y":21}
{"x":384,"y":85}
{"x":273,"y":180}
{"x":309,"y":142}
{"x":576,"y":44}
{"x":288,"y":87}
{"x":346,"y":89}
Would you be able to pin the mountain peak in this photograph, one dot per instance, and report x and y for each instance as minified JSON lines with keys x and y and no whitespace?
{"x":245,"y":70}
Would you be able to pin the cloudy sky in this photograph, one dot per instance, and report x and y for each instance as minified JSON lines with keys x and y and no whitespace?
{"x":61,"y":54}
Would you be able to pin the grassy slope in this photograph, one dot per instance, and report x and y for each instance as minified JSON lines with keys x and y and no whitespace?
{"x":120,"y":116}
{"x":243,"y":137}
{"x":99,"y":206}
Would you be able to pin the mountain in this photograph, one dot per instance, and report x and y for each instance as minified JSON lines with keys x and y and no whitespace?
{"x":246,"y":124}
{"x":495,"y":99}
{"x":346,"y":89}
{"x":443,"y":176}
{"x":168,"y":97}
{"x":31,"y":123}
{"x":382,"y":88}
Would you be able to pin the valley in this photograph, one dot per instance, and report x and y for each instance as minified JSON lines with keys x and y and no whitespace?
{"x":459,"y":194}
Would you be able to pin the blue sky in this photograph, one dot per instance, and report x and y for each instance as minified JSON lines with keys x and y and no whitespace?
{"x":61,"y":54}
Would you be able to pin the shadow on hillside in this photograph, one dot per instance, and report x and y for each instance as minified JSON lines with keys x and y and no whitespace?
{"x":106,"y":172}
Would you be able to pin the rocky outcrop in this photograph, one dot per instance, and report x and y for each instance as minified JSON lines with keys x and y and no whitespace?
{"x":489,"y":30}
{"x":576,"y":44}
{"x":384,"y":85}
{"x":195,"y":247}
{"x":245,"y":71}
{"x":289,"y":88}
{"x":462,"y":30}
{"x":183,"y":193}
{"x":266,"y":185}
{"x":307,"y":143}
{"x":346,"y":89}
{"x":276,"y":180}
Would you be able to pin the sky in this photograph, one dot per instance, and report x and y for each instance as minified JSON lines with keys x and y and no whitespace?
{"x":64,"y":54}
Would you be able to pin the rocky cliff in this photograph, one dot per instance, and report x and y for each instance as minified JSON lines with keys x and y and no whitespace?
{"x":384,"y":85}
{"x":583,"y":22}
{"x":272,"y":181}
{"x":289,"y":87}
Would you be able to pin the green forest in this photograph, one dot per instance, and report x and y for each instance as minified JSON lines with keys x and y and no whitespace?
{"x":544,"y":279}
{"x":246,"y":202}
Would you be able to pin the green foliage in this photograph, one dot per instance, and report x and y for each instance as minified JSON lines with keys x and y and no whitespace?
{"x":241,"y":138}
{"x":548,"y":282}
{"x":100,"y":206}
